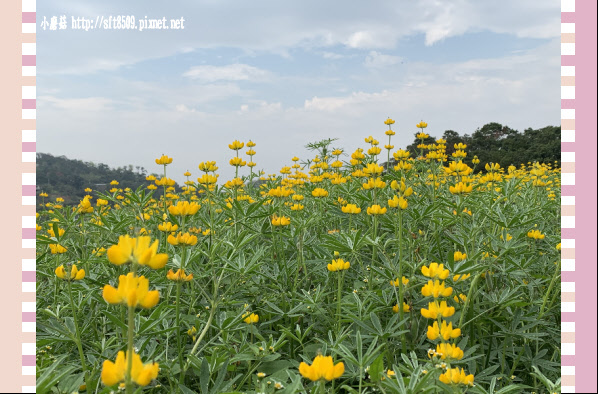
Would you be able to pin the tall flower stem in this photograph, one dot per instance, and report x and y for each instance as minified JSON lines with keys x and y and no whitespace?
{"x":468,"y":300}
{"x":130,"y":349}
{"x":130,"y":343}
{"x":338,"y":300}
{"x":400,"y":304}
{"x":374,"y":252}
{"x":78,"y":336}
{"x":179,"y":285}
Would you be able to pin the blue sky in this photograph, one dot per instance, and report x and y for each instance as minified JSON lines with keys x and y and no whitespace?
{"x":287,"y":73}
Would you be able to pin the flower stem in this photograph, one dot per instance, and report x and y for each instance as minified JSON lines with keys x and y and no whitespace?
{"x":338,"y":299}
{"x":130,"y":333}
{"x":78,"y":336}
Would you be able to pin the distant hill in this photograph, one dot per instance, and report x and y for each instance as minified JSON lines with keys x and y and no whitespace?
{"x":60,"y":176}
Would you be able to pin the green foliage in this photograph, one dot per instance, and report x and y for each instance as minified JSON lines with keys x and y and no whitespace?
{"x":495,"y":143}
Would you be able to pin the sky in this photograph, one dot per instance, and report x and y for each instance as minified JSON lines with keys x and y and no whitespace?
{"x":287,"y":73}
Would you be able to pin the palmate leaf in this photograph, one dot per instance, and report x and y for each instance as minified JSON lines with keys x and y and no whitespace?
{"x":54,"y":373}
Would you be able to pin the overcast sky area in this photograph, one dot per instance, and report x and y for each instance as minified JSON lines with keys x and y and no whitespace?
{"x":288,"y":73}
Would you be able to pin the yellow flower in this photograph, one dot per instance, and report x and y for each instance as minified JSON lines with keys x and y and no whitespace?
{"x":164,"y":182}
{"x":60,"y":233}
{"x":164,"y":160}
{"x":433,"y":331}
{"x":234,"y":183}
{"x":456,"y":376}
{"x":137,"y":250}
{"x":191,"y":332}
{"x":338,"y":265}
{"x":451,"y":351}
{"x":57,"y":249}
{"x":558,"y":246}
{"x":434,"y":310}
{"x":374,"y":150}
{"x":181,"y":239}
{"x":280,"y":221}
{"x":389,"y":121}
{"x":250,"y":318}
{"x":421,"y":125}
{"x":179,"y":276}
{"x":207,"y":179}
{"x":435,"y":271}
{"x":458,"y":256}
{"x":351,"y":208}
{"x":319,"y":192}
{"x":142,"y":374}
{"x":406,"y":308}
{"x":492,"y":166}
{"x":461,"y":188}
{"x":456,"y":278}
{"x":322,"y":367}
{"x":509,"y":237}
{"x":296,"y":207}
{"x":461,"y":298}
{"x":132,"y":291}
{"x":208,"y":166}
{"x":458,"y":168}
{"x":535,"y":234}
{"x":85,"y":206}
{"x":401,"y":154}
{"x":76,"y":274}
{"x":167,"y":227}
{"x":400,"y":202}
{"x":100,"y":202}
{"x":376,"y":210}
{"x":261,"y":375}
{"x":395,"y":282}
{"x":184,"y":208}
{"x":237,"y":162}
{"x":236,"y":145}
{"x":436,"y":289}
{"x":447,"y":332}
{"x":373,"y":169}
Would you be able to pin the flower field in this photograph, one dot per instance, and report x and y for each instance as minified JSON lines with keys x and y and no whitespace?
{"x":337,"y":275}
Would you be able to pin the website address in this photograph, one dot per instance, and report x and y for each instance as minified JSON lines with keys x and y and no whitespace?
{"x":112,"y":22}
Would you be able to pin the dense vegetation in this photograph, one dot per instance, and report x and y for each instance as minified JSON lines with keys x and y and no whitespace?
{"x":337,"y":276}
{"x":495,"y":143}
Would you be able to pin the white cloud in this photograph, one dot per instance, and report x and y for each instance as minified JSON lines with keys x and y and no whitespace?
{"x":232,"y":72}
{"x":335,"y":103}
{"x":184,"y":108}
{"x":379,"y":60}
{"x":286,"y":26}
{"x":76,"y":104}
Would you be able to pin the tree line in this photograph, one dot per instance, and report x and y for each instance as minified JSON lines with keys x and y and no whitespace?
{"x":495,"y":143}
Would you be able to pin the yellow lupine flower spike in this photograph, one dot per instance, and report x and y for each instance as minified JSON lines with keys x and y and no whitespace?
{"x":322,"y":368}
{"x":114,"y":372}
{"x":132,"y":291}
{"x":76,"y":274}
{"x":436,"y":289}
{"x":137,"y":250}
{"x":435,"y":270}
